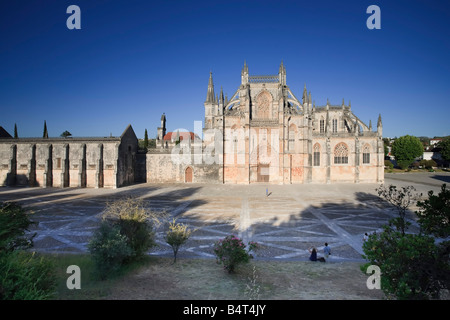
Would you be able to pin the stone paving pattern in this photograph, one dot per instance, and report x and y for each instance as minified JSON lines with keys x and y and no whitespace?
{"x":286,"y":223}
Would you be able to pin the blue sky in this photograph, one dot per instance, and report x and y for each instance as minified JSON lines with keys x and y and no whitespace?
{"x":133,"y":60}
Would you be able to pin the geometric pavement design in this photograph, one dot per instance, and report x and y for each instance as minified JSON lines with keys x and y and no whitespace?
{"x":286,"y":223}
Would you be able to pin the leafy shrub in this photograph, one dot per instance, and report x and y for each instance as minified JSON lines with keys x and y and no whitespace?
{"x":434,"y":213}
{"x":428,"y":164}
{"x":135,"y":222}
{"x":404,"y":260}
{"x":26,"y":276}
{"x":109,"y":249}
{"x":388,"y":164}
{"x":176,"y":236}
{"x":403,"y":164}
{"x":14,"y":224}
{"x":413,"y":266}
{"x":23,"y":275}
{"x":231,"y":251}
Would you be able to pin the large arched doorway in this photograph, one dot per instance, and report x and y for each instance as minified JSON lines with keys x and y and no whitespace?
{"x":188,"y":174}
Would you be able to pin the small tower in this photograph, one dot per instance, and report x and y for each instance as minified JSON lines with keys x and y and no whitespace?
{"x":210,"y":104}
{"x":244,"y":74}
{"x":161,"y":131}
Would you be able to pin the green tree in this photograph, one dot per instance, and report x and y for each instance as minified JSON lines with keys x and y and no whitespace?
{"x":405,"y":149}
{"x":66,"y":134}
{"x":445,"y":148}
{"x":413,"y":266}
{"x":145,"y":139}
{"x":434,"y":213}
{"x":16,"y":135}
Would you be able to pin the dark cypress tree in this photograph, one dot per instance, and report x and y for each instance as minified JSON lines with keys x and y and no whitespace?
{"x":45,"y":135}
{"x":16,"y":136}
{"x":146,"y":139}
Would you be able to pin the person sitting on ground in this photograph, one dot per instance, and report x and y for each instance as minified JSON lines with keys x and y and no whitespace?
{"x":313,"y":256}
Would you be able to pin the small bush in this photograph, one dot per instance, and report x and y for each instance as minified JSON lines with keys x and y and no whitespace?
{"x":176,"y":236}
{"x":135,"y":222}
{"x":388,"y":164}
{"x":403,"y":164}
{"x":14,"y":224}
{"x":428,"y":164}
{"x":231,"y":252}
{"x":109,"y":249}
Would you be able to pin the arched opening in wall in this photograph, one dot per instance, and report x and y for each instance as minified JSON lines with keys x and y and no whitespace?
{"x":188,"y":175}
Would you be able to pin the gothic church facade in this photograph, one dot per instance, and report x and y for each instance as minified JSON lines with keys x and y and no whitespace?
{"x":265,"y":134}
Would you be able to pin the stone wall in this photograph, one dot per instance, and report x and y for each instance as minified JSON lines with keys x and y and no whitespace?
{"x":69,"y":162}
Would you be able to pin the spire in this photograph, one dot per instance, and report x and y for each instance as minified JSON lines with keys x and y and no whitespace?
{"x":370,"y":125}
{"x":282,"y":68}
{"x":379,"y":127}
{"x":221,"y":99}
{"x":305,"y":94}
{"x":210,"y":94}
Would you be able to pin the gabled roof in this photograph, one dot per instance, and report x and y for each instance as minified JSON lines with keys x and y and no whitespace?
{"x":4,"y":133}
{"x":182,"y":135}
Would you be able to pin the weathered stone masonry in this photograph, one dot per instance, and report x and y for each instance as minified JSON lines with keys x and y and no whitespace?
{"x":263,"y":133}
{"x":69,"y":162}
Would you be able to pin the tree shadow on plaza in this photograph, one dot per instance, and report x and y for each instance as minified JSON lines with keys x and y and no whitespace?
{"x":342,"y":224}
{"x":445,"y":178}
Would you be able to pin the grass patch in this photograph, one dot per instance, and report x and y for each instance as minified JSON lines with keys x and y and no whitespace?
{"x":92,"y":288}
{"x":157,"y":278}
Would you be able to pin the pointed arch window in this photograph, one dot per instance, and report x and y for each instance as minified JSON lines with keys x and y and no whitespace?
{"x":341,"y":154}
{"x":366,"y":154}
{"x":316,"y":156}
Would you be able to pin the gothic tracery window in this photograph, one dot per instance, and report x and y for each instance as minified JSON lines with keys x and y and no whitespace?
{"x":341,"y":153}
{"x":316,"y":160}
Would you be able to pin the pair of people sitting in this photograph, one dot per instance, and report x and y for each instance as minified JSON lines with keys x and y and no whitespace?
{"x":313,"y":252}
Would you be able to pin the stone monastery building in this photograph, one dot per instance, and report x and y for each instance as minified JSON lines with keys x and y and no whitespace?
{"x":262,"y":134}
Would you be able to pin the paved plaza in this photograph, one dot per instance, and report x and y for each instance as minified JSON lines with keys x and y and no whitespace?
{"x":286,"y":220}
